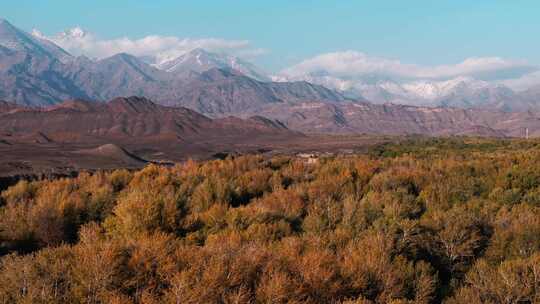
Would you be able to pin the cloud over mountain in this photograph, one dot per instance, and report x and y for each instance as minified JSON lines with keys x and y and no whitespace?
{"x":353,"y":64}
{"x":344,"y":65}
{"x":476,"y":82}
{"x":160,"y":48}
{"x":524,"y":82}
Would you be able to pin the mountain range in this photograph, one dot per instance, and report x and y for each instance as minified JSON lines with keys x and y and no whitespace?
{"x":128,"y":120}
{"x":135,"y":119}
{"x":34,"y":72}
{"x":392,"y":119}
{"x":460,"y":92}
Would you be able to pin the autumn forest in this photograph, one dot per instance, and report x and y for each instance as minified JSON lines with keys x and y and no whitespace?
{"x":453,"y":220}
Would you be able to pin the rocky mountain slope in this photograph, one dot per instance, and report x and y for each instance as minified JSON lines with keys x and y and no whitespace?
{"x":17,"y":40}
{"x":138,"y":119}
{"x":359,"y":117}
{"x":7,"y":106}
{"x":218,"y":91}
{"x":130,"y":119}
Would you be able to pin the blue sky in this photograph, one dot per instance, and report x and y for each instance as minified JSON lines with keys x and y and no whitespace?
{"x":419,"y":32}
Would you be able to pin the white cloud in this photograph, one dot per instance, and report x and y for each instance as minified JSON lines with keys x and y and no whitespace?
{"x":352,"y":64}
{"x":79,"y":42}
{"x":252,"y":53}
{"x":524,"y":82}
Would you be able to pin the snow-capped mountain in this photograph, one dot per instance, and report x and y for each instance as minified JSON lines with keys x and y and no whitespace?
{"x":460,"y":92}
{"x":34,"y":70}
{"x":20,"y":41}
{"x":438,"y":89}
{"x":73,"y":33}
{"x":199,"y":60}
{"x":32,"y":74}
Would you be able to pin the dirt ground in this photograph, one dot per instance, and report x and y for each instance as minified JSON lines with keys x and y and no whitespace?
{"x":55,"y":158}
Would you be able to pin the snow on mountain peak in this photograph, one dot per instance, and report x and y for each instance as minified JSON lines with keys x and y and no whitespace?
{"x":34,"y":43}
{"x":73,"y":33}
{"x":462,"y":91}
{"x":438,"y":89}
{"x":200,"y":60}
{"x":36,"y":33}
